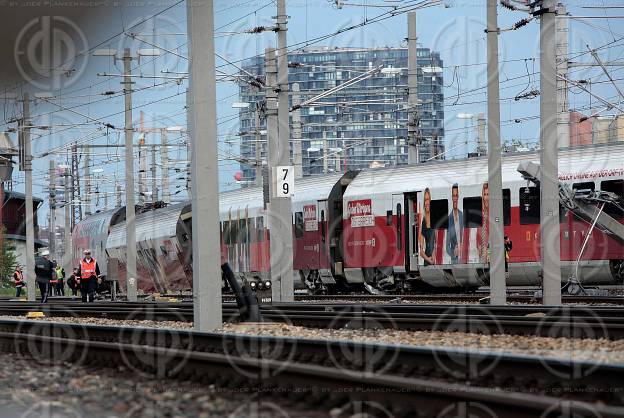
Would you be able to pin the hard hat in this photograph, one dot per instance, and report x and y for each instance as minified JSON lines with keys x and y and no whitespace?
{"x":45,"y":252}
{"x":87,"y":251}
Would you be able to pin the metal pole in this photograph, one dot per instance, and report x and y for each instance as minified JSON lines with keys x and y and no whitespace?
{"x":207,"y":302}
{"x":67,"y":253}
{"x":258,"y":149}
{"x":190,"y":124}
{"x":118,"y":191}
{"x":498,"y":285}
{"x":164,"y":160}
{"x":30,"y":226}
{"x":413,"y":139}
{"x":549,"y":183}
{"x":325,"y":153}
{"x":280,"y":209}
{"x":563,"y":111}
{"x":142,"y":171}
{"x":131,"y":255}
{"x":154,"y":185}
{"x":87,"y":199}
{"x":481,"y":147}
{"x":51,"y":226}
{"x":296,"y":132}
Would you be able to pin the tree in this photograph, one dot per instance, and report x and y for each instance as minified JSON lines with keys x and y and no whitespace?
{"x":8,"y":262}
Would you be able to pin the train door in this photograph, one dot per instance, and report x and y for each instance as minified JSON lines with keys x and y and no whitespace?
{"x":322,"y":226}
{"x":398,"y":203}
{"x":411,"y":231}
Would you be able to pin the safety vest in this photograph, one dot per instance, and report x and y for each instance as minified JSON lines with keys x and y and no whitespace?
{"x":59,"y":273}
{"x":87,"y":269}
{"x":20,"y":278}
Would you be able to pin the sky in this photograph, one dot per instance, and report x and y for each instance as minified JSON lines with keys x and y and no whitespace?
{"x":81,"y":97}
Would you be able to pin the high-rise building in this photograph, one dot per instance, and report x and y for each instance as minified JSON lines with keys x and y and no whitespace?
{"x":364,"y":124}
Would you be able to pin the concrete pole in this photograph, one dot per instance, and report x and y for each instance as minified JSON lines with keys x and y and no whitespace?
{"x":87,"y":199}
{"x":131,"y":255}
{"x":164,"y":160}
{"x":207,"y":303}
{"x":30,"y":226}
{"x":67,"y":254}
{"x":413,"y":139}
{"x":51,"y":226}
{"x":296,"y":132}
{"x":154,"y":184}
{"x":142,"y":171}
{"x":325,"y":153}
{"x":481,"y":146}
{"x":105,"y":199}
{"x":549,"y":190}
{"x":257,"y":149}
{"x":498,"y":284}
{"x":563,"y":107}
{"x":280,"y":209}
{"x":190,"y":124}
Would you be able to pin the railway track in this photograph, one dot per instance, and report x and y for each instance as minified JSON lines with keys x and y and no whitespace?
{"x":405,"y":381}
{"x":568,"y":321}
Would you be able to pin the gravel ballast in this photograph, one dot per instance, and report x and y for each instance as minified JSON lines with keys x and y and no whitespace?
{"x":600,"y":350}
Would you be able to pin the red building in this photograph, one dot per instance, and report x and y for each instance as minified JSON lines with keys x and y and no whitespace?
{"x":14,"y":221}
{"x":580,"y":129}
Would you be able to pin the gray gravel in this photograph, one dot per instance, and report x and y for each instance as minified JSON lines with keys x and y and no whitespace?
{"x":29,"y":389}
{"x":601,"y":349}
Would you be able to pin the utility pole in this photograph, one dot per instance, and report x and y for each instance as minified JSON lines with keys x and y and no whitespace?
{"x":142,"y":171}
{"x":563,"y":111}
{"x":280,"y":208}
{"x":26,"y":166}
{"x":154,"y":185}
{"x":325,"y":153}
{"x":549,"y":182}
{"x":481,"y":147}
{"x":207,"y":302}
{"x":283,"y":283}
{"x":75,"y":197}
{"x":189,"y":150}
{"x":258,"y":148}
{"x":296,"y":131}
{"x":51,"y":224}
{"x":498,"y":284}
{"x":118,"y":194}
{"x":131,"y":270}
{"x":87,"y":199}
{"x":164,"y":161}
{"x":67,"y":254}
{"x":413,"y":134}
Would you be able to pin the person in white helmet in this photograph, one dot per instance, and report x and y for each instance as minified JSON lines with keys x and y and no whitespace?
{"x":44,"y":269}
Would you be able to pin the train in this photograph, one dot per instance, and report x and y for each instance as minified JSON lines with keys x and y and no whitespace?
{"x":401,"y":229}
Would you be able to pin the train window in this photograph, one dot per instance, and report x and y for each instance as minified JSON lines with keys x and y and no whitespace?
{"x":529,"y":205}
{"x":473,"y":212}
{"x":322,"y":226}
{"x":226,"y":233}
{"x":439,"y":213}
{"x":234,"y":232}
{"x":399,"y":221}
{"x":298,"y":224}
{"x":260,"y":228}
{"x":506,"y":207}
{"x":617,"y":187}
{"x":242,"y":231}
{"x":389,"y":218}
{"x":588,"y":185}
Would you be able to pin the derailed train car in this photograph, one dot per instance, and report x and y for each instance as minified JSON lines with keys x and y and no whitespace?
{"x":163,"y":237}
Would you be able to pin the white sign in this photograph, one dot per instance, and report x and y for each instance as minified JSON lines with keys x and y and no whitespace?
{"x":361,"y":221}
{"x":284,"y":181}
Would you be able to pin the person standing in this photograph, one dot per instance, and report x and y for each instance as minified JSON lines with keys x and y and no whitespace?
{"x":53,"y":281}
{"x":89,"y":273}
{"x":18,"y":279}
{"x":455,"y":229}
{"x":59,"y":290}
{"x":44,"y":271}
{"x":508,"y":248}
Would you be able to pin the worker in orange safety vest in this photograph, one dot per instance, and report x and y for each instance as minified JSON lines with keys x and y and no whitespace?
{"x":88,"y":274}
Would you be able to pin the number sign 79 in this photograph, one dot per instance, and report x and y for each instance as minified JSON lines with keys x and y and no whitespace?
{"x":285,"y":181}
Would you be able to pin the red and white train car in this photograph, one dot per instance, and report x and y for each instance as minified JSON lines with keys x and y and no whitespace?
{"x":427,"y":224}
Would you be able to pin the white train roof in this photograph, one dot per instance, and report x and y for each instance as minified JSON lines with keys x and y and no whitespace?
{"x":152,"y":224}
{"x":575,"y":164}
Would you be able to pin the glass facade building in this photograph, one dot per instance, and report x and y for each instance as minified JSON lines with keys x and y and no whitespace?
{"x":364,"y":124}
